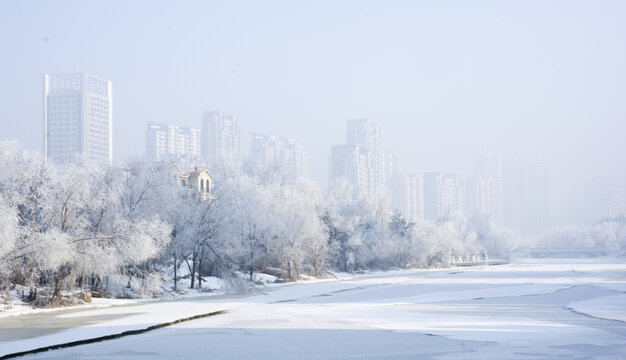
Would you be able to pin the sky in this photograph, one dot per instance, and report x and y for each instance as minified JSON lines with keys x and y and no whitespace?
{"x":542,"y":80}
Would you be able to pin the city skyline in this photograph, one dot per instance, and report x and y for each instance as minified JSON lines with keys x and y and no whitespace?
{"x":513,"y":192}
{"x":444,"y":81}
{"x":374,"y":171}
{"x":78,"y":118}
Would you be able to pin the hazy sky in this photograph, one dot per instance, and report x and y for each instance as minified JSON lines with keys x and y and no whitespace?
{"x":544,"y":80}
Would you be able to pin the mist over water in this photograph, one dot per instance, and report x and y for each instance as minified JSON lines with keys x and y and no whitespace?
{"x":528,"y":80}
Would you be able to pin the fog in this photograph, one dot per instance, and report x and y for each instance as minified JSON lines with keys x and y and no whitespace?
{"x":444,"y":80}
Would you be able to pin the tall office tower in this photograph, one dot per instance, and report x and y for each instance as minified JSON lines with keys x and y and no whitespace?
{"x":78,"y":118}
{"x":516,"y":194}
{"x":614,"y":191}
{"x":526,"y":190}
{"x":443,"y":194}
{"x":348,"y":162}
{"x":412,"y":196}
{"x":394,"y":179}
{"x":166,"y":142}
{"x":617,"y":206}
{"x":539,"y":191}
{"x":274,"y":152}
{"x":393,"y":164}
{"x":369,"y":138}
{"x":480,"y":195}
{"x":489,"y":167}
{"x":220,"y":138}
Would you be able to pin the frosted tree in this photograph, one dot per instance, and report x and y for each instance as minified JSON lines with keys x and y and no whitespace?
{"x":297,"y":232}
{"x":349,"y":222}
{"x":73,"y":225}
{"x":8,"y":239}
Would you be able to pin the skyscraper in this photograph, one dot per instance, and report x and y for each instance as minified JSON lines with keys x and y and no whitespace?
{"x":220,"y":137}
{"x":173,"y":143}
{"x":394,"y":180}
{"x":443,"y":194}
{"x":369,"y":137}
{"x":480,"y":196}
{"x":412,"y":196}
{"x":539,"y":196}
{"x":486,"y":188}
{"x":348,"y":162}
{"x":526,"y":189}
{"x":282,"y":154}
{"x":365,"y":170}
{"x":78,"y":118}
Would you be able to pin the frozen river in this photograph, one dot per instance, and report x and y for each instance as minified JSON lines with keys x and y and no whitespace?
{"x":563,"y":309}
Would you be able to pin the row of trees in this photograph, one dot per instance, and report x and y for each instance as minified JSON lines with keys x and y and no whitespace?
{"x":124,"y":230}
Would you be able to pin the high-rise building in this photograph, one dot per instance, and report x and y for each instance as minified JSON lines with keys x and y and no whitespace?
{"x":407,"y":191}
{"x":394,"y":179}
{"x":166,"y":142}
{"x":539,"y":182}
{"x":526,"y":194}
{"x":274,"y":152}
{"x":443,"y":194}
{"x":369,"y":138}
{"x":612,"y":195}
{"x":78,"y":118}
{"x":348,"y":162}
{"x":487,"y":188}
{"x":393,"y":164}
{"x":412,"y":196}
{"x":480,"y":195}
{"x":365,"y":137}
{"x":220,"y":138}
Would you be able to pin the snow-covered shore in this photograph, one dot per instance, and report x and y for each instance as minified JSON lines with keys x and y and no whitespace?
{"x":548,"y":308}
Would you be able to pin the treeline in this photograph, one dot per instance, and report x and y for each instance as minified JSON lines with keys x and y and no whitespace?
{"x":122,"y":231}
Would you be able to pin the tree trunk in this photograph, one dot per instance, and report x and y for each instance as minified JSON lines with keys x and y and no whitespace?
{"x":200,"y":274}
{"x":175,"y":273}
{"x":193,"y":270}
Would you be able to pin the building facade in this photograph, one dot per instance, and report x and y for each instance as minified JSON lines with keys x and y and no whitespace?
{"x":220,"y":138}
{"x":412,"y":196}
{"x":348,"y":162}
{"x":197,"y":179}
{"x":487,"y":189}
{"x":443,"y":195}
{"x":370,"y":140}
{"x":481,"y":196}
{"x":526,"y":190}
{"x":78,"y":118}
{"x":365,"y":169}
{"x":166,"y":142}
{"x":284,"y":154}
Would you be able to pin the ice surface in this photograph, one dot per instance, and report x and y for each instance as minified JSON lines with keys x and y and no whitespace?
{"x":557,"y":310}
{"x":608,"y":307}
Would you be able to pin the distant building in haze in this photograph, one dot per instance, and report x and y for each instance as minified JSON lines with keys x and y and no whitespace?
{"x":486,"y":188}
{"x":481,"y":196}
{"x":412,"y":196}
{"x":443,"y":195}
{"x":540,"y":214}
{"x":349,"y":163}
{"x":78,"y":118}
{"x":526,"y":195}
{"x":365,"y":169}
{"x":166,"y":142}
{"x":281,"y":153}
{"x":220,"y":138}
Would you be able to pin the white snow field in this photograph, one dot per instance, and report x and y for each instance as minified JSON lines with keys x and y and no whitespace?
{"x":550,"y":309}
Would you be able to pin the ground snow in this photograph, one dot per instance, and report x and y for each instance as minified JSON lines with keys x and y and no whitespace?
{"x":526,"y":310}
{"x":607,"y":307}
